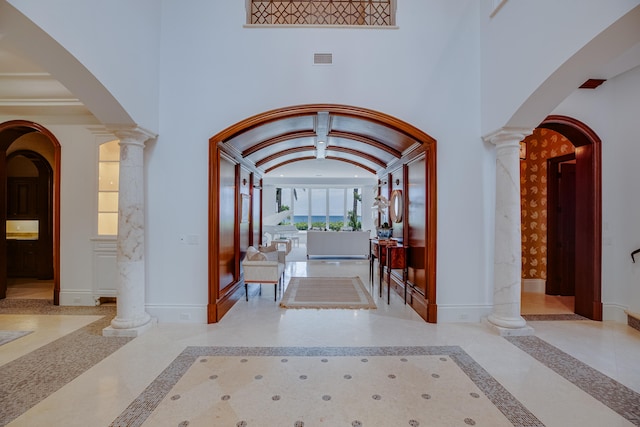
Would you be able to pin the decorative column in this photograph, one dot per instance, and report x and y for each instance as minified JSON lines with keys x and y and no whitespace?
{"x":507,"y":286}
{"x":131,"y":318}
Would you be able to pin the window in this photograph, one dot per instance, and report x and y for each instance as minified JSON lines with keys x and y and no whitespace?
{"x":324,"y":208}
{"x":322,"y":12}
{"x":108,"y":174}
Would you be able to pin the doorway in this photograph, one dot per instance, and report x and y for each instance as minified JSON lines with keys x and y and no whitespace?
{"x":578,"y":263}
{"x":29,"y":211}
{"x":561,"y":226}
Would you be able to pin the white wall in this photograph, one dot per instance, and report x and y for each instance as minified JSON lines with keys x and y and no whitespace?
{"x":525,"y":44}
{"x":215,"y":73}
{"x":612,"y":112}
{"x":122,"y":53}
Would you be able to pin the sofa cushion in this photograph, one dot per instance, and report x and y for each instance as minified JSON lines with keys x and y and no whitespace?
{"x":255,"y":255}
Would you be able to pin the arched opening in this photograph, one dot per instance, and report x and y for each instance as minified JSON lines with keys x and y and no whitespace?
{"x":389,"y":148}
{"x":33,"y":198}
{"x":573,"y":209}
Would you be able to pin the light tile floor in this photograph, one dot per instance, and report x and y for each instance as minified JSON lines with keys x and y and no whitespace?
{"x":99,"y":395}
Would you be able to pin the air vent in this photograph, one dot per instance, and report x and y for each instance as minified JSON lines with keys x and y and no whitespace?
{"x":323,"y":58}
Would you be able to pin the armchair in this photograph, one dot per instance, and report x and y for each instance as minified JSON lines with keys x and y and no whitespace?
{"x":263,"y":267}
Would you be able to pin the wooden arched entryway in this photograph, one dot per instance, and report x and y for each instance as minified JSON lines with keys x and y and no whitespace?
{"x":385,"y":146}
{"x":588,"y":207}
{"x":9,"y":133}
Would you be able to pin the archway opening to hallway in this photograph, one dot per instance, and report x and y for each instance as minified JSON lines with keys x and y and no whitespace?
{"x":401,"y":156}
{"x":561,"y":220}
{"x":29,"y":209}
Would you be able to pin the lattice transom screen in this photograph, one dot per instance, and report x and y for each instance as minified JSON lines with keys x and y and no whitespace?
{"x":322,"y":12}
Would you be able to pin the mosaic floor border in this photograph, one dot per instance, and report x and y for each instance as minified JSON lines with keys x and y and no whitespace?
{"x":144,"y":405}
{"x":29,"y":379}
{"x":546,"y":317}
{"x":610,"y":392}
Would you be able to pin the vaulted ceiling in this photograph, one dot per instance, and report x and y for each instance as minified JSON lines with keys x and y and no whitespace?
{"x":370,"y":140}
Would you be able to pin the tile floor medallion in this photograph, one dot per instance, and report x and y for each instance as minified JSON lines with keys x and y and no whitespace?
{"x":333,"y":386}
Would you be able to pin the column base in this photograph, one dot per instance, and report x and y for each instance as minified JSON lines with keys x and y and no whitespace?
{"x":110,"y":331}
{"x":521,"y":331}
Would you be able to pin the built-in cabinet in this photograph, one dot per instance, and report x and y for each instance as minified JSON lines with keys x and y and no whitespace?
{"x":22,"y":198}
{"x":22,"y":258}
{"x":23,"y":248}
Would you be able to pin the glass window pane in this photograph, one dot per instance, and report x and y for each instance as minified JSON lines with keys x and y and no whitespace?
{"x":110,"y":151}
{"x":319,"y":207}
{"x":354,"y":208}
{"x":108,"y":223}
{"x":336,"y":208}
{"x":108,"y":174}
{"x":107,"y":202}
{"x":285,"y":202}
{"x":301,"y":208}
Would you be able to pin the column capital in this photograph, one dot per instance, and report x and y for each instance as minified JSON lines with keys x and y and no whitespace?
{"x":134,"y":135}
{"x":507,"y":135}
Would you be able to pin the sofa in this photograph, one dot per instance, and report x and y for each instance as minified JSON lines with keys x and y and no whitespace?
{"x":338,"y":243}
{"x":264,"y":265}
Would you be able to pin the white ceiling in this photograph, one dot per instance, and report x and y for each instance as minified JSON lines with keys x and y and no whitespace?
{"x":29,"y":92}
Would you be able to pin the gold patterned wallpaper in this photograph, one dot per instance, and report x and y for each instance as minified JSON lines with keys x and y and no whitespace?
{"x":542,"y":144}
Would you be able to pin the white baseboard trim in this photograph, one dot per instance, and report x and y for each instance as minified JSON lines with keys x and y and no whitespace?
{"x":536,"y":286}
{"x":614,"y":312}
{"x":82,"y":298}
{"x":178,"y":313}
{"x":463,"y":313}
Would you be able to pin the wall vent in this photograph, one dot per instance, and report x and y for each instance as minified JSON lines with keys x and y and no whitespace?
{"x":322,"y":58}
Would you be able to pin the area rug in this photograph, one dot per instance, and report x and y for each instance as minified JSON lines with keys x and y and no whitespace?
{"x":327,"y":292}
{"x":332,"y":386}
{"x":8,"y":336}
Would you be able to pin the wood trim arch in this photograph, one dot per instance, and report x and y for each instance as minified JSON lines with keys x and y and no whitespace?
{"x":588,"y":299}
{"x":311,"y":109}
{"x":220,"y":301}
{"x":9,"y":132}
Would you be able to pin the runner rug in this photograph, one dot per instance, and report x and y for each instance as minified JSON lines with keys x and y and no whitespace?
{"x":327,"y":292}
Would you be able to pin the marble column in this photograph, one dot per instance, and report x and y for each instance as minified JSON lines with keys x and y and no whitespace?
{"x":131,"y":318}
{"x":507,"y":287}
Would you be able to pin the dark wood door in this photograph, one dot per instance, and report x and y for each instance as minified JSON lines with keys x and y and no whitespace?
{"x":561,"y":226}
{"x":567,"y":231}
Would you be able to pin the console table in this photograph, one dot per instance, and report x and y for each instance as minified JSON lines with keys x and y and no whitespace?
{"x":392,"y":256}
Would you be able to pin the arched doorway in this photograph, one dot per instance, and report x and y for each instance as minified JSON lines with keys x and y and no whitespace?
{"x":47,"y":245}
{"x":587,"y":204}
{"x":397,"y":152}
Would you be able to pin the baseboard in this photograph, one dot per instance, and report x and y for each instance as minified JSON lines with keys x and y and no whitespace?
{"x":536,"y":286}
{"x":178,"y":313}
{"x":463,"y":313}
{"x":614,"y":312}
{"x":82,"y":298}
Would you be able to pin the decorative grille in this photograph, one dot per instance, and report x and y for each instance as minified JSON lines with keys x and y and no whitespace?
{"x":322,"y":12}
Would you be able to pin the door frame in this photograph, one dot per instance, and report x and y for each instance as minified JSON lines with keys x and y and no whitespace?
{"x":9,"y":132}
{"x":588,"y":298}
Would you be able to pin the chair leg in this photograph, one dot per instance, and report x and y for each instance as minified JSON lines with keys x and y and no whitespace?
{"x":246,"y":291}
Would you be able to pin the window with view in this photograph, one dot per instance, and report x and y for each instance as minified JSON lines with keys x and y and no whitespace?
{"x":323,"y":208}
{"x":108,"y":174}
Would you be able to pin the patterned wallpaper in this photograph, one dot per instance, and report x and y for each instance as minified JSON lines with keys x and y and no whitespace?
{"x":542,"y":144}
